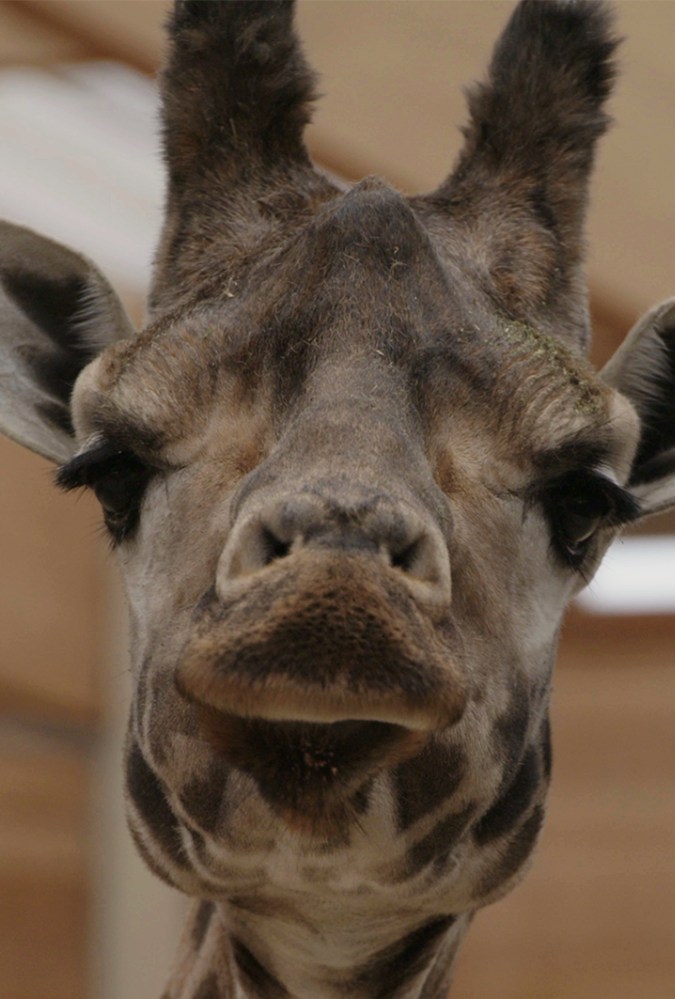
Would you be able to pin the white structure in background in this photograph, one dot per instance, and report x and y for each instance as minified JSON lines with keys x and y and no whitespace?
{"x":79,"y":161}
{"x":637,"y":576}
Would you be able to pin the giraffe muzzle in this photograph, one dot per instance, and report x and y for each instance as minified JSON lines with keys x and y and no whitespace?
{"x":313,"y":673}
{"x":320,"y":639}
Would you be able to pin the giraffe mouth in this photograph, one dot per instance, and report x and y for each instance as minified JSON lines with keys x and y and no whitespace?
{"x":314,"y":677}
{"x":323,"y":641}
{"x":314,"y":776}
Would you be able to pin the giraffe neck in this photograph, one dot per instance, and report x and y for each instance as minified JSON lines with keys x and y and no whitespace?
{"x":222,"y":956}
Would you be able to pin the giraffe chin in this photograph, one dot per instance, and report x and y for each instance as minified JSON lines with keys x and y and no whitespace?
{"x":314,"y":776}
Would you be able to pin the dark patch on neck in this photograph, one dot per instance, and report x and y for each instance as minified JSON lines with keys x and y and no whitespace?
{"x":511,"y":726}
{"x":201,"y":922}
{"x":392,"y":968}
{"x":361,"y":800}
{"x":517,"y":852}
{"x":208,"y":988}
{"x":426,"y":781}
{"x":508,"y":808}
{"x":546,"y":748}
{"x":438,"y":844}
{"x":150,"y":801}
{"x":204,"y":798}
{"x":255,"y":975}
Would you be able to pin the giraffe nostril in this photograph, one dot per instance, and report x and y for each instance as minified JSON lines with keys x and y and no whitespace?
{"x":273,"y":547}
{"x":423,"y":560}
{"x":406,"y":558}
{"x":292,"y":525}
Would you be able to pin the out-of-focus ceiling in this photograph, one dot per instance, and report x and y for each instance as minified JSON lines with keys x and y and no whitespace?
{"x":392,"y":72}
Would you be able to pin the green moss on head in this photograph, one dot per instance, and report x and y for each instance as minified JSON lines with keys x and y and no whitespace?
{"x":566,"y":369}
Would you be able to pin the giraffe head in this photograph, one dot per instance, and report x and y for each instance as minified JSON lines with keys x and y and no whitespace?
{"x":354,"y":467}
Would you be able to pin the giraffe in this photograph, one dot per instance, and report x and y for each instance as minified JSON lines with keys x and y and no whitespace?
{"x":354,"y":468}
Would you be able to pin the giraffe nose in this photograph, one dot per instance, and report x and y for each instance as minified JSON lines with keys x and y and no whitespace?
{"x":394,"y":534}
{"x":324,"y":613}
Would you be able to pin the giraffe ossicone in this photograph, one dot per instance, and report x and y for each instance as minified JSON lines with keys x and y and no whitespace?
{"x":354,"y":467}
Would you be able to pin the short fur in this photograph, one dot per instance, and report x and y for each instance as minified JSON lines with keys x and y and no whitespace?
{"x":354,"y":467}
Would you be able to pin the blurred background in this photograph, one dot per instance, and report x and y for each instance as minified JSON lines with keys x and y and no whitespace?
{"x":79,"y":916}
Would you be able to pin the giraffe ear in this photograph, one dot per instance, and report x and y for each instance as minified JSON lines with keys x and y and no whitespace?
{"x":57,"y":312}
{"x":643,"y":370}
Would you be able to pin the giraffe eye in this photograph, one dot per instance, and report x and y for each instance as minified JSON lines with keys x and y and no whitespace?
{"x":580,"y":504}
{"x":118,"y":480}
{"x":119,"y":488}
{"x":578,"y":518}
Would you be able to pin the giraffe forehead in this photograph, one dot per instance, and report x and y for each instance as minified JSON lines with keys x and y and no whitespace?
{"x":536,"y":386}
{"x":364,"y":278}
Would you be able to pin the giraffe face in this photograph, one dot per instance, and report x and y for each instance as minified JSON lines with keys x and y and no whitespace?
{"x":354,"y":469}
{"x":348,"y":557}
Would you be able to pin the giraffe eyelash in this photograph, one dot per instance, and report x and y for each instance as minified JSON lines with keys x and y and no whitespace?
{"x":117,"y":477}
{"x":79,"y":471}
